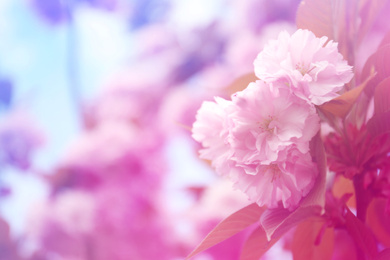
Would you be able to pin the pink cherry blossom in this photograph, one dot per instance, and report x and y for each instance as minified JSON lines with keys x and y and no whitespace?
{"x":267,"y":120}
{"x":286,"y":180}
{"x":260,"y":140}
{"x":211,"y":130}
{"x":311,"y":66}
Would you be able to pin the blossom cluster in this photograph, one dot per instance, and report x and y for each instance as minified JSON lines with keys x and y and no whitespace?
{"x":260,"y":138}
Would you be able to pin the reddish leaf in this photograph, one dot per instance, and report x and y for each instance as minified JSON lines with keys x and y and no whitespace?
{"x":379,"y":124}
{"x":385,"y":40}
{"x":318,"y":17}
{"x":330,"y":18}
{"x":341,"y":105}
{"x":230,"y":226}
{"x":316,"y":196}
{"x":312,"y":241}
{"x":369,"y":11}
{"x":241,"y":83}
{"x":278,"y":221}
{"x":378,"y":221}
{"x":381,"y":62}
{"x":378,"y":62}
{"x":382,"y":96}
{"x":342,"y":186}
{"x":384,"y":255}
{"x":345,"y":247}
{"x":363,"y":237}
{"x":256,"y":245}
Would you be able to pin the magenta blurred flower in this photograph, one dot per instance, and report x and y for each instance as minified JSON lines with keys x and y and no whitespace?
{"x":127,"y":98}
{"x":178,"y":110}
{"x":311,"y":67}
{"x":136,"y":227}
{"x":244,"y":45}
{"x":8,"y":247}
{"x":113,"y":152}
{"x":19,"y":138}
{"x":112,"y":222}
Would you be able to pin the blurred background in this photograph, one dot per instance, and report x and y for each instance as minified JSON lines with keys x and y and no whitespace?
{"x":97,"y":100}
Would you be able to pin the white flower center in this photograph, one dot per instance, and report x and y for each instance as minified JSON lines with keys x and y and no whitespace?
{"x":302,"y":68}
{"x":264,"y":126}
{"x":274,"y":170}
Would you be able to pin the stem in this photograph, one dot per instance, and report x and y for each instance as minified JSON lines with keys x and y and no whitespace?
{"x":363,"y":197}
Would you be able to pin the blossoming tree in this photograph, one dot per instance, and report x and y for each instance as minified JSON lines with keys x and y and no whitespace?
{"x":308,"y":140}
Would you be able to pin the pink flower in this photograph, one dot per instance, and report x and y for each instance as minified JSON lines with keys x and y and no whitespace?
{"x":260,"y":140}
{"x":286,"y":180}
{"x":267,"y":120}
{"x":211,"y":130}
{"x":112,"y":152}
{"x":312,"y":67}
{"x":111,"y":222}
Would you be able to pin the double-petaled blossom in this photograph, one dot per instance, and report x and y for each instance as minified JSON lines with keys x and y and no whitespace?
{"x":211,"y":129}
{"x":268,"y":119}
{"x":286,"y":180}
{"x":312,"y":67}
{"x":260,"y":140}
